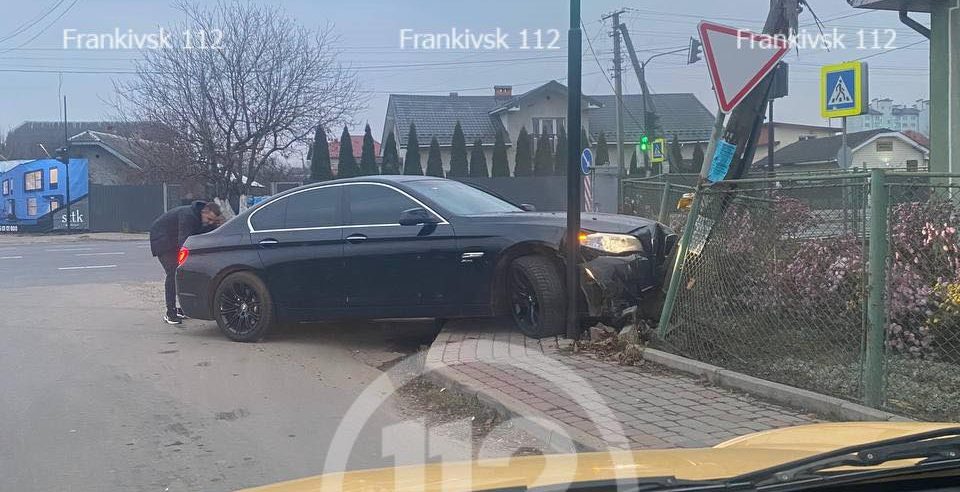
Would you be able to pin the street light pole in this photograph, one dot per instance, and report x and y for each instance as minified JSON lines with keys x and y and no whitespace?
{"x":574,"y":177}
{"x":66,"y":160}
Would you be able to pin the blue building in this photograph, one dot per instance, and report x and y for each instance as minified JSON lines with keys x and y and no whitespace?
{"x":33,"y":192}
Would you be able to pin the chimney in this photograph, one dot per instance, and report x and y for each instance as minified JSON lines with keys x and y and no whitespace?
{"x":503,"y":91}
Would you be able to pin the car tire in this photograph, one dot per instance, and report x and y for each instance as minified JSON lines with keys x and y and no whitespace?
{"x":536,"y":296}
{"x":243,"y":308}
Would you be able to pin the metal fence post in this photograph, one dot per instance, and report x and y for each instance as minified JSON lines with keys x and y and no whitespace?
{"x":873,"y":374}
{"x":682,"y":248}
{"x":664,"y":203}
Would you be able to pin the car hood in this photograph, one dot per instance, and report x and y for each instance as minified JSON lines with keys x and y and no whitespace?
{"x":741,"y":455}
{"x":589,"y":221}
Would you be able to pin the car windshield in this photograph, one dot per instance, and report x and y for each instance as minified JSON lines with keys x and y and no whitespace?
{"x":462,"y":199}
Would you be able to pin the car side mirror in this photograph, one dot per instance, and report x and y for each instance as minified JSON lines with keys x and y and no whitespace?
{"x":528,"y":207}
{"x":416,"y":216}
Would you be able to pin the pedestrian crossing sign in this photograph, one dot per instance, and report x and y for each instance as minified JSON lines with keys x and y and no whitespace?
{"x":843,"y":89}
{"x":658,"y":152}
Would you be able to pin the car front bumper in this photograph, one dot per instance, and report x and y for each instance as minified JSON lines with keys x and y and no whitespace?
{"x":612,"y":285}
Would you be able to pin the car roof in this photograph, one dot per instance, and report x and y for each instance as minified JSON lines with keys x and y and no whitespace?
{"x":390,"y":178}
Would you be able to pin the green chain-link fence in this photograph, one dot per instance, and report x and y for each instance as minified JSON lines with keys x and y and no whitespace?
{"x":846,"y":284}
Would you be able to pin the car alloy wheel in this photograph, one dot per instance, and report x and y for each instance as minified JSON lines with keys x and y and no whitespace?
{"x":240,"y":308}
{"x":525,"y":305}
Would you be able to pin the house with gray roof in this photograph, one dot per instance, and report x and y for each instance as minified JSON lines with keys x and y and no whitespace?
{"x":880,"y":148}
{"x":540,"y":109}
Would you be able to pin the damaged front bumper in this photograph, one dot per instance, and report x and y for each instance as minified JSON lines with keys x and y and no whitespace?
{"x":612,"y":285}
{"x":617,"y":287}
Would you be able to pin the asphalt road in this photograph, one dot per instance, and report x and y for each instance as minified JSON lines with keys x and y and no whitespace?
{"x":76,"y":262}
{"x":96,"y":393}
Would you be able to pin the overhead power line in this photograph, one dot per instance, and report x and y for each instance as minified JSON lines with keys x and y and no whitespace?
{"x":32,"y":22}
{"x":44,"y":29}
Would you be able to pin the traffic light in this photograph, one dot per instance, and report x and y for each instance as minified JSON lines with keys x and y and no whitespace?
{"x":644,"y":143}
{"x":696,"y":49}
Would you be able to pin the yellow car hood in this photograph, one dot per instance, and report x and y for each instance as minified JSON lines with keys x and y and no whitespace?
{"x":740,"y":455}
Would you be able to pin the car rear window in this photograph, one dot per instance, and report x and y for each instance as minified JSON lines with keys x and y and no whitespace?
{"x":375,"y":204}
{"x":269,"y":216}
{"x":313,"y":208}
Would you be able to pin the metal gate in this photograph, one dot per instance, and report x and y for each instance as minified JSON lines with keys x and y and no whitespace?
{"x":125,"y":208}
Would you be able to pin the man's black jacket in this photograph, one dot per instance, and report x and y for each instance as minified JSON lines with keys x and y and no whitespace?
{"x":171,"y":230}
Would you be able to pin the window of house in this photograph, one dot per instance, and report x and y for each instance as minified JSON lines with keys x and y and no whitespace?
{"x":7,"y":188}
{"x":54,"y":178}
{"x":54,"y":204}
{"x":884,"y":145}
{"x":551,"y":125}
{"x":32,"y":206}
{"x":913,"y":166}
{"x":9,"y":207}
{"x":33,"y":180}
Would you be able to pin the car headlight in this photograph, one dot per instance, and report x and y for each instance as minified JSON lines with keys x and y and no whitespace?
{"x":617,"y":244}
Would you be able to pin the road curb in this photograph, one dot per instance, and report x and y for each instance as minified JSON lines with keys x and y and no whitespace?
{"x":509,"y":407}
{"x":827,"y":406}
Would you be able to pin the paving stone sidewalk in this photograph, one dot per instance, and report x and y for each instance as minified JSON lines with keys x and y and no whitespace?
{"x":605,"y":404}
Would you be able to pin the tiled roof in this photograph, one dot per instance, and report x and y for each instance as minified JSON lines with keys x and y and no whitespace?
{"x":123,"y":147}
{"x":918,"y":137}
{"x":435,"y":116}
{"x":357,"y":142}
{"x":682,"y":115}
{"x":762,"y":138}
{"x":823,"y":149}
{"x":552,"y":86}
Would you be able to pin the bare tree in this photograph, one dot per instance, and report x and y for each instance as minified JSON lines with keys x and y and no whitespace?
{"x":253,"y":91}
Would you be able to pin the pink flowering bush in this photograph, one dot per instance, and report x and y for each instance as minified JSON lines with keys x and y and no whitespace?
{"x":925,"y":254}
{"x":826,"y":275}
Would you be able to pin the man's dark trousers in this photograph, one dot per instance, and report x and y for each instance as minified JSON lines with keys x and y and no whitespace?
{"x":169,"y":262}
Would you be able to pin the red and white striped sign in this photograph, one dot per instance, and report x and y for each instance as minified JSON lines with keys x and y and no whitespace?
{"x":587,"y":194}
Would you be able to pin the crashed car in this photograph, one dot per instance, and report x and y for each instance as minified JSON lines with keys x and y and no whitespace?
{"x":412,"y":247}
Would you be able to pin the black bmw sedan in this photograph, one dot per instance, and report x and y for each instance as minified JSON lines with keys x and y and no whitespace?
{"x":411,"y":247}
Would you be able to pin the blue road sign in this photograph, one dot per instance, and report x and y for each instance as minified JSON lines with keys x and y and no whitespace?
{"x":586,"y":161}
{"x":843,"y":89}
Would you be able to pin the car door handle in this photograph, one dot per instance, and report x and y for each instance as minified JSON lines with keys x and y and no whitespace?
{"x":269,"y":242}
{"x":356,"y":238}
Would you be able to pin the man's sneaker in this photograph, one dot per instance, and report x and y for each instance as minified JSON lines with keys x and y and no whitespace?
{"x":181,"y":315}
{"x":171,"y":320}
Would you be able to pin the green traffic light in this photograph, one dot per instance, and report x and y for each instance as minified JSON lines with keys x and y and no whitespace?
{"x":644,"y":143}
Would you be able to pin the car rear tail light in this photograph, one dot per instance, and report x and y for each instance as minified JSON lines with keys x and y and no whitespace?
{"x":182,"y":256}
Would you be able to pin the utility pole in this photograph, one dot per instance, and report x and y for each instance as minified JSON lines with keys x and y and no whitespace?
{"x":618,"y":91}
{"x":641,"y":71}
{"x":574,"y":175}
{"x":65,"y":158}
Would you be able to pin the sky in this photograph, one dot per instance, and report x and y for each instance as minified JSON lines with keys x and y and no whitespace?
{"x":35,"y":68}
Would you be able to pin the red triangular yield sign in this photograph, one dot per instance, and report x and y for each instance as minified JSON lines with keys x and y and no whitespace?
{"x":738,"y":60}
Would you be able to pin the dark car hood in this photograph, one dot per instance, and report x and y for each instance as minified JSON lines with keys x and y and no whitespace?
{"x":588,"y":221}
